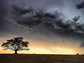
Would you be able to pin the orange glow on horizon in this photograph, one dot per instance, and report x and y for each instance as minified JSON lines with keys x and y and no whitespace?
{"x":37,"y":47}
{"x":40,"y":50}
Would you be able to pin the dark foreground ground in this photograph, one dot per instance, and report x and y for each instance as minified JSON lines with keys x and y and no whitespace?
{"x":34,"y":58}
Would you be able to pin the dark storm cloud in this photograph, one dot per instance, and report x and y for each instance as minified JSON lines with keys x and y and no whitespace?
{"x":48,"y":21}
{"x":20,"y":10}
{"x":6,"y":28}
{"x":2,"y":15}
{"x":30,"y":18}
{"x":80,"y":5}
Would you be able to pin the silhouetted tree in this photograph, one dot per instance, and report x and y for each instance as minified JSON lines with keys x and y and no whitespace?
{"x":16,"y":44}
{"x":77,"y":54}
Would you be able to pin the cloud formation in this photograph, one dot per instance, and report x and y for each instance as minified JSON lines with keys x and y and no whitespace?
{"x":29,"y":18}
{"x":80,"y":5}
{"x":21,"y":9}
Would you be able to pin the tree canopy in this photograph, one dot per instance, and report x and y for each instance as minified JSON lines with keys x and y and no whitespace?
{"x":16,"y":44}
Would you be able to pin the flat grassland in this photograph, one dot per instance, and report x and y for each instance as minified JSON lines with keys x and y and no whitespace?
{"x":40,"y":58}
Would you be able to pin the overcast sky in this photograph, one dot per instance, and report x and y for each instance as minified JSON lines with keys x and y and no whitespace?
{"x":47,"y":24}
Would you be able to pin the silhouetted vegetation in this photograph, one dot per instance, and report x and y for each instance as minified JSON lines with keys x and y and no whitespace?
{"x":16,"y":44}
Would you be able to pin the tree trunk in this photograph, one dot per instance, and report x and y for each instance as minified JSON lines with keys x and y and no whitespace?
{"x":15,"y":52}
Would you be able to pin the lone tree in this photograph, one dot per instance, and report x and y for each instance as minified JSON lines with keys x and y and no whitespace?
{"x":16,"y":44}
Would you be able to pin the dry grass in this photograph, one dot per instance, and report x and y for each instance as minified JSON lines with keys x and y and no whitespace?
{"x":34,"y":58}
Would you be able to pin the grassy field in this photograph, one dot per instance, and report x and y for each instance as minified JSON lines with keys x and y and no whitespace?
{"x":38,"y":58}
